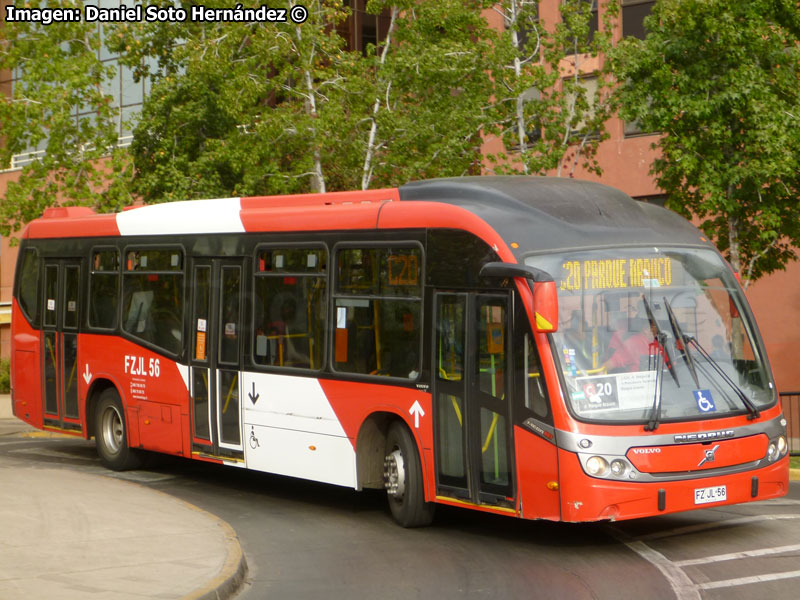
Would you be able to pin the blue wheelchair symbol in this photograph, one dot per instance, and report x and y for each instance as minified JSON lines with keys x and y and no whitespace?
{"x":704,"y":400}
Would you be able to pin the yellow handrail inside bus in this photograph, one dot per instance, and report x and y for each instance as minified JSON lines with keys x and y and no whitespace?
{"x":230,"y":393}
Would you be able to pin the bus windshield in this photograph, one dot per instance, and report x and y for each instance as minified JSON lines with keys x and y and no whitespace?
{"x":654,"y":333}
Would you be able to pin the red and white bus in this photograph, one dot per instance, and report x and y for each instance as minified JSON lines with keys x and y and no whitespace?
{"x":535,"y":347}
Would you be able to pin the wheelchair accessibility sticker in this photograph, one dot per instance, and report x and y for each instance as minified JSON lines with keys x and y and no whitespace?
{"x":704,"y":401}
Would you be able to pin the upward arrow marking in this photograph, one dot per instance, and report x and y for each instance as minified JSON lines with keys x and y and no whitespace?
{"x":417,"y":411}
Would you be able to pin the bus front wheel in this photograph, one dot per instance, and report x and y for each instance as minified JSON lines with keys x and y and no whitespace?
{"x":110,"y":434}
{"x":402,"y":476}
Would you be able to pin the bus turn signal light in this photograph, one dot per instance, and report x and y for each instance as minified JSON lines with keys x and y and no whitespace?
{"x":552,"y":486}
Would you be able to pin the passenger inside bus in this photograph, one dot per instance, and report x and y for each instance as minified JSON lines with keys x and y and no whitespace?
{"x":633,"y":349}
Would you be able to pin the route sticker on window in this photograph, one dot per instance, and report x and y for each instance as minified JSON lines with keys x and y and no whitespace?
{"x":705,"y":402}
{"x":598,"y":393}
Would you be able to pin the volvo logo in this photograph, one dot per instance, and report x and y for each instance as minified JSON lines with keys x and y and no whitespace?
{"x":706,"y":436}
{"x":709,"y":457}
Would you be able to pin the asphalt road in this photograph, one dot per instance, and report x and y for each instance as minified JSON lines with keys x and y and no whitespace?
{"x":306,"y":540}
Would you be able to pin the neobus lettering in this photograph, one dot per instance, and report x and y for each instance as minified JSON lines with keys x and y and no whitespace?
{"x":135,"y":365}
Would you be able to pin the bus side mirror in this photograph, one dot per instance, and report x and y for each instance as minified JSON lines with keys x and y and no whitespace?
{"x":545,"y":293}
{"x":545,"y":307}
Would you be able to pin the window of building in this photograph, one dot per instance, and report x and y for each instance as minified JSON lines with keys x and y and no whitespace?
{"x":104,"y":289}
{"x":589,"y":85}
{"x":657,"y":199}
{"x":362,"y":28}
{"x":290,"y":310}
{"x":633,"y":14}
{"x":590,"y":7}
{"x":378,"y":310}
{"x":152,"y":297}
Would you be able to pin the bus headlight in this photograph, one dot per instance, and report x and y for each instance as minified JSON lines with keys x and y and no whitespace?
{"x":619,"y":467}
{"x":772,"y":451}
{"x":782,"y":445}
{"x":596,"y":466}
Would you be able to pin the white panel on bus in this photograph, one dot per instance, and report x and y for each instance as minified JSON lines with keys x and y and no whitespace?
{"x":291,"y":429}
{"x":288,"y":402}
{"x":313,"y":456}
{"x":194,"y":216}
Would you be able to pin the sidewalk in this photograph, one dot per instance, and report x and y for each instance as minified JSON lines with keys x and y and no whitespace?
{"x":68,"y":535}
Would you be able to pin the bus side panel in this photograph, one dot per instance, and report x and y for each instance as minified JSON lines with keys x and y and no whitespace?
{"x":353,"y":403}
{"x":152,"y":388}
{"x":536,"y":467}
{"x":26,"y":376}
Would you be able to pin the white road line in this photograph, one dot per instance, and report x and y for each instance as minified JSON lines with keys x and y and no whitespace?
{"x":682,"y":585}
{"x":747,"y":580}
{"x":736,"y":555}
{"x":714,"y":525}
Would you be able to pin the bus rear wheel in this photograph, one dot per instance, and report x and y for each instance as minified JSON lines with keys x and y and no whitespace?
{"x":110,"y":435}
{"x":402,"y":476}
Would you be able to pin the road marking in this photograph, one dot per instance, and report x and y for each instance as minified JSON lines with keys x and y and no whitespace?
{"x":711,"y":585}
{"x":736,"y":555}
{"x":715,"y":525}
{"x":682,"y":585}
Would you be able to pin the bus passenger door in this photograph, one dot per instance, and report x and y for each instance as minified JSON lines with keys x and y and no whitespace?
{"x":215,"y":360}
{"x":470,"y":381}
{"x":61,"y":302}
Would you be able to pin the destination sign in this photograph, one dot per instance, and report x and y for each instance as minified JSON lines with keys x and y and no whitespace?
{"x":616,"y":273}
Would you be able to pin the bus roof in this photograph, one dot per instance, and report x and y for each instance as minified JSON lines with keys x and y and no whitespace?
{"x":546,"y":213}
{"x":528,"y":214}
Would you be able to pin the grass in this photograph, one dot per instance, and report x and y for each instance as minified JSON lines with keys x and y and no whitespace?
{"x":794,"y":462}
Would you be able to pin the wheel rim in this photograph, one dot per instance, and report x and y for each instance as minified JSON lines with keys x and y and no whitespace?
{"x":394,"y":475}
{"x":112,"y":430}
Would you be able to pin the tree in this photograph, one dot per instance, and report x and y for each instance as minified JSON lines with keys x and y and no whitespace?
{"x":719,"y":81}
{"x":551,"y":112}
{"x":263,"y":108}
{"x":59,"y":104}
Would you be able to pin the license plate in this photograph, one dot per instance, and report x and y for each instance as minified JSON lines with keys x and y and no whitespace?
{"x":717,"y":493}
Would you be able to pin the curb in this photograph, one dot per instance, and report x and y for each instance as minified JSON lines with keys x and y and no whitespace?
{"x":231,"y":579}
{"x":794,"y":474}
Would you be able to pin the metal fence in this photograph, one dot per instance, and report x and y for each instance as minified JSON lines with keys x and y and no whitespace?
{"x":791,"y":410}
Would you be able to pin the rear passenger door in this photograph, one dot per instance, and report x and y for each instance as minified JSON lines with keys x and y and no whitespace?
{"x":215,"y":361}
{"x":60,"y":310}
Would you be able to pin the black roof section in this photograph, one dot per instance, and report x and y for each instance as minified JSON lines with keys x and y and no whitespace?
{"x":553,"y":213}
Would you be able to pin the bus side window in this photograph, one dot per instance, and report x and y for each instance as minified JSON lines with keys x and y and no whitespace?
{"x":377,"y":311}
{"x":289,"y":314}
{"x":104,"y":289}
{"x":152,"y":299}
{"x":29,"y":285}
{"x":535,"y":395}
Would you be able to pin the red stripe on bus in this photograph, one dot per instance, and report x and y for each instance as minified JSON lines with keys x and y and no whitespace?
{"x":90,"y":225}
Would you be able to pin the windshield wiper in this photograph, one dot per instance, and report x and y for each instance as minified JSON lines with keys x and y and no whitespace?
{"x":681,"y":342}
{"x":752,"y":408}
{"x":662,"y":356}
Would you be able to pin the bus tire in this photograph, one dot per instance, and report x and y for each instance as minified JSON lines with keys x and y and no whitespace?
{"x":111,"y":436}
{"x":403,"y":479}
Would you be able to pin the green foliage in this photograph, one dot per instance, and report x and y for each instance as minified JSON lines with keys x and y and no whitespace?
{"x":547,"y":115}
{"x":719,"y":80}
{"x":5,"y":376}
{"x":61,"y":75}
{"x":249,"y":109}
{"x":239,"y":108}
